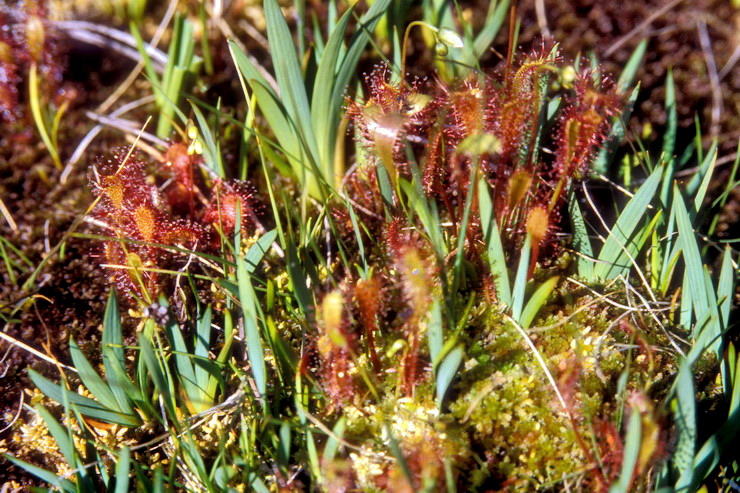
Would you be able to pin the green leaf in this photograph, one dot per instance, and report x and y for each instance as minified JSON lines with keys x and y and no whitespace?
{"x":155,"y":371}
{"x":258,"y":251}
{"x":581,"y":241}
{"x":520,"y":281}
{"x":496,"y":256}
{"x":348,"y":66}
{"x":184,"y":364}
{"x":283,"y":448}
{"x":427,"y":214}
{"x":537,"y":301}
{"x":494,"y":21}
{"x":697,"y":182}
{"x":332,"y":443}
{"x":685,"y":419}
{"x":44,"y":475}
{"x":694,"y":273}
{"x":323,"y":90}
{"x":612,"y":258}
{"x":434,"y":331}
{"x":616,"y":134}
{"x":288,"y":75}
{"x":297,"y":277}
{"x":202,"y":346}
{"x":632,"y":445}
{"x":60,"y":434}
{"x":706,"y":169}
{"x":255,"y":350}
{"x":632,"y":66}
{"x":726,"y":287}
{"x":90,"y":378}
{"x":447,"y":371}
{"x":84,"y":405}
{"x":123,"y":466}
{"x":211,"y":152}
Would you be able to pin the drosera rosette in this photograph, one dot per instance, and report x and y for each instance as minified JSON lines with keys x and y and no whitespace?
{"x":542,"y":139}
{"x":155,"y":213}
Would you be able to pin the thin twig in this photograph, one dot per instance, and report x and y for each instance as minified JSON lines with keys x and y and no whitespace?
{"x":539,"y":8}
{"x":706,"y":49}
{"x":94,"y":131}
{"x":31,"y":350}
{"x":123,"y":87}
{"x":642,"y":25}
{"x":128,"y":126}
{"x":6,"y":214}
{"x":727,"y":68}
{"x":108,"y":37}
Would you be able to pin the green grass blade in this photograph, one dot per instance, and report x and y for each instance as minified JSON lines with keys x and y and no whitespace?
{"x":65,"y":484}
{"x":537,"y":301}
{"x":726,"y":287}
{"x":708,"y":170}
{"x":428,"y":216}
{"x":632,"y":66}
{"x":685,"y":418}
{"x":696,"y":182}
{"x":332,"y":443}
{"x":202,"y":345}
{"x":323,"y":90}
{"x":84,"y":405}
{"x":288,"y":75}
{"x":496,"y":256}
{"x":114,"y":360}
{"x":581,"y":241}
{"x":211,"y":151}
{"x":356,"y":46}
{"x":494,"y":21}
{"x":669,"y":137}
{"x":612,"y":256}
{"x":90,"y":378}
{"x":60,"y":434}
{"x":616,"y":134}
{"x":184,"y":364}
{"x":112,"y":332}
{"x":435,"y":331}
{"x":123,"y":467}
{"x":694,"y":273}
{"x":631,"y":453}
{"x":156,"y":373}
{"x":255,"y":350}
{"x":257,"y":252}
{"x":447,"y":371}
{"x":520,"y":281}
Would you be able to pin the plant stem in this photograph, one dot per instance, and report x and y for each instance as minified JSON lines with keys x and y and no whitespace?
{"x":405,"y":44}
{"x":38,"y":118}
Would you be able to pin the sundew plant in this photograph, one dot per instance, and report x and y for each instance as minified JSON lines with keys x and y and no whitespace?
{"x":373,"y":247}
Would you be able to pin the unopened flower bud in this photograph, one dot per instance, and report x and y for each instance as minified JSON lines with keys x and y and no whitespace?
{"x":449,"y":37}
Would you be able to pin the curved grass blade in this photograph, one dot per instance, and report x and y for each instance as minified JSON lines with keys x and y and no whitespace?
{"x":64,"y":484}
{"x":447,"y":371}
{"x":123,"y":466}
{"x":537,"y":301}
{"x":631,"y":454}
{"x":90,"y":378}
{"x":84,"y":405}
{"x":520,"y":282}
{"x":613,"y":259}
{"x":496,"y":257}
{"x":255,"y":350}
